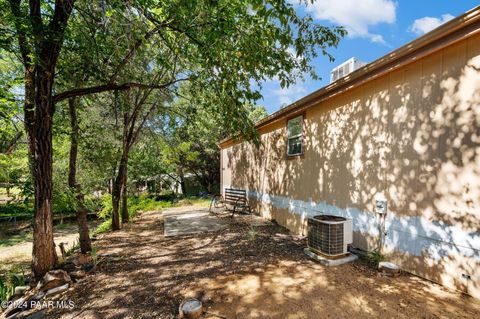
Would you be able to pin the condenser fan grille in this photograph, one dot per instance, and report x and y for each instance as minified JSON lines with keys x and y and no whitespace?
{"x":326,"y":234}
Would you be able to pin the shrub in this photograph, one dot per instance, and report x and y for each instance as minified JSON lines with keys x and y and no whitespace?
{"x":17,"y":209}
{"x":135,"y":204}
{"x":14,"y":278}
{"x":374,"y":257}
{"x":64,"y":201}
{"x":92,"y":203}
{"x":106,"y":205}
{"x":166,"y":196}
{"x":144,"y":203}
{"x":105,"y":226}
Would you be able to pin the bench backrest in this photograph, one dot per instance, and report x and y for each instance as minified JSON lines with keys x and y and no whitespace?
{"x":235,"y":196}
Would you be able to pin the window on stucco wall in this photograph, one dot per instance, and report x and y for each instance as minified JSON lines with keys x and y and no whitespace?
{"x":295,"y":138}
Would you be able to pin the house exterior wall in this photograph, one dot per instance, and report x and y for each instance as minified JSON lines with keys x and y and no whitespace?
{"x":410,"y":136}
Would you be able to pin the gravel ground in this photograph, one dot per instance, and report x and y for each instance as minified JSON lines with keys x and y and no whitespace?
{"x":240,"y":273}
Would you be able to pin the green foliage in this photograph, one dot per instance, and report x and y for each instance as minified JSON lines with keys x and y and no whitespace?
{"x":167,"y":196}
{"x":64,"y":201}
{"x":71,"y":250}
{"x":224,"y":49}
{"x":374,"y":257}
{"x":10,"y":110}
{"x":188,"y":144}
{"x":135,"y":205}
{"x":14,"y":278}
{"x":17,"y":209}
{"x":252,"y":233}
{"x":94,"y":255}
{"x":14,"y":166}
{"x":144,"y":203}
{"x":104,"y":227}
{"x":106,"y":210}
{"x":256,"y":112}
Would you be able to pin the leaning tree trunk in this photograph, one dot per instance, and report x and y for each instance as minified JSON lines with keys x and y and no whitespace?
{"x":44,"y":255}
{"x":83,"y":232}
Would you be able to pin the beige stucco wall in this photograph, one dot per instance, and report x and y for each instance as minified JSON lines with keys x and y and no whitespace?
{"x":411,"y":136}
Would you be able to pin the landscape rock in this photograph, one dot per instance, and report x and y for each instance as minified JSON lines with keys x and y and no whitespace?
{"x":36,"y":297}
{"x":388,"y":268}
{"x":57,"y":290}
{"x":28,"y":314}
{"x":36,"y":315}
{"x":77,"y":275}
{"x":53,"y":279}
{"x":11,"y":313}
{"x":20,"y":290}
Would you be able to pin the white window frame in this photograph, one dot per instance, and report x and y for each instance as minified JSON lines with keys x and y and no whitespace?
{"x":295,"y":136}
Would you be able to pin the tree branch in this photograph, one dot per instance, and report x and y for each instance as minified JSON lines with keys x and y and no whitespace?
{"x":56,"y":27}
{"x":36,"y":20}
{"x":111,"y":87}
{"x":132,"y":51}
{"x":171,"y":26}
{"x":22,"y":38}
{"x":9,"y":146}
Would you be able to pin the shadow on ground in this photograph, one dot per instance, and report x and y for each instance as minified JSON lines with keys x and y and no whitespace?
{"x":242,"y":274}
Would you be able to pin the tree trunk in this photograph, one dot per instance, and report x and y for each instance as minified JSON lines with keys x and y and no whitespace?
{"x":83,"y":232}
{"x":183,"y":186}
{"x":117,"y":190}
{"x":44,"y":255}
{"x":110,"y":186}
{"x":116,"y":193}
{"x":72,"y":168}
{"x":125,"y":216}
{"x":39,"y":59}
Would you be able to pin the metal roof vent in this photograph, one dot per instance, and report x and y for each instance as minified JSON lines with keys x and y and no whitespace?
{"x":329,"y":235}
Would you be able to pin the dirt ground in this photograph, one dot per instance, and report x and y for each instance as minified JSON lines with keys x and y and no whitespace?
{"x":239,"y":275}
{"x":21,"y":253}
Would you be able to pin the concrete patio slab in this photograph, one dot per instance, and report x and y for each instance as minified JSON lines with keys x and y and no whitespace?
{"x":191,"y":222}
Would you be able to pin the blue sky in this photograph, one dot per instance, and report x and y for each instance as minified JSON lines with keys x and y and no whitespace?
{"x":375,"y":27}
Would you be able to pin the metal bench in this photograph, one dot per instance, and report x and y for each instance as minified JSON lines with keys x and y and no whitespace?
{"x":235,"y":198}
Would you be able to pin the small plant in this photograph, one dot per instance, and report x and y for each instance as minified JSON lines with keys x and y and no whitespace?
{"x":374,"y":257}
{"x":72,"y":249}
{"x":252,"y":233}
{"x":14,"y":278}
{"x":103,"y":227}
{"x":4,"y":290}
{"x":94,"y":255}
{"x":106,"y":204}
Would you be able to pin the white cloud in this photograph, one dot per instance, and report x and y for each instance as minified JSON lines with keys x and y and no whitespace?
{"x":289,"y":95}
{"x":356,"y":16}
{"x":426,"y":24}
